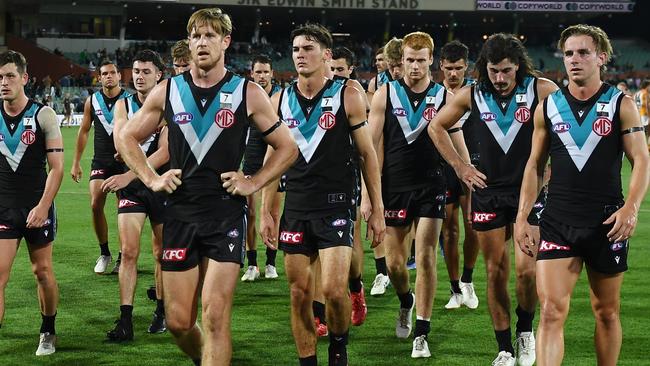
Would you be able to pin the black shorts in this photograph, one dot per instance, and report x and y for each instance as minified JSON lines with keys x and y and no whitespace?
{"x":454,"y":186}
{"x":493,"y":211}
{"x":400,"y":209}
{"x":558,"y":240}
{"x":185,"y":244}
{"x":308,"y":236}
{"x":142,"y":200}
{"x":13,"y":221}
{"x":538,"y":207}
{"x":100,"y":169}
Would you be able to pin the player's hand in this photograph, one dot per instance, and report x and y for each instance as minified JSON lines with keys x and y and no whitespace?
{"x":624,"y":220}
{"x":115,"y":183}
{"x":236,"y":183}
{"x":471,"y":176}
{"x":168,"y":182}
{"x":269,"y":230}
{"x":37,"y":217}
{"x":376,"y":227}
{"x":76,"y":172}
{"x":525,"y":237}
{"x":365,"y":208}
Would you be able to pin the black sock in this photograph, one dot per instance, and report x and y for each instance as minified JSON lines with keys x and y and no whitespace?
{"x":252,"y":257}
{"x":337,"y":352}
{"x":119,"y":256}
{"x":467,"y":274}
{"x":319,"y":311}
{"x":47,"y":324}
{"x":455,"y":287}
{"x":103,"y":249}
{"x":524,"y":320}
{"x":197,"y":362}
{"x":270,"y":256}
{"x":160,"y":307}
{"x":405,"y":300}
{"x":422,"y":327}
{"x":308,"y":361}
{"x":380,"y":265}
{"x":504,"y":339}
{"x":126,"y":312}
{"x":355,"y":284}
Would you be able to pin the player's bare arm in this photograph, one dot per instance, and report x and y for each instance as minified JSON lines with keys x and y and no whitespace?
{"x":143,"y":124}
{"x":353,"y":99}
{"x":276,"y":134}
{"x":54,"y":150}
{"x":635,"y":148}
{"x":82,"y":140}
{"x":448,"y":116}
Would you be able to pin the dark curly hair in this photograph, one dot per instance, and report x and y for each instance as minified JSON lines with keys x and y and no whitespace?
{"x":498,"y":47}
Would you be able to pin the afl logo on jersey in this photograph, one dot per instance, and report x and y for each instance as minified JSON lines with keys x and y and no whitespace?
{"x":399,"y":112}
{"x":561,"y":127}
{"x":602,"y":126}
{"x":224,"y":118}
{"x":488,"y":116}
{"x":28,"y":137}
{"x":429,"y":113}
{"x":327,"y":120}
{"x":183,"y":118}
{"x":522,"y":114}
{"x":292,"y":122}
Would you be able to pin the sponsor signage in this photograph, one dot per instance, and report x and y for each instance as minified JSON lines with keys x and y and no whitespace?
{"x":557,"y":6}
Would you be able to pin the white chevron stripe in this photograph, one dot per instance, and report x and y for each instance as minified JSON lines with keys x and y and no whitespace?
{"x":15,"y":158}
{"x":409,"y":134}
{"x":107,"y":126}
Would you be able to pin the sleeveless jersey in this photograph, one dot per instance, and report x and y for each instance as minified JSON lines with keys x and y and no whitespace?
{"x":586,"y":153}
{"x":255,"y":144}
{"x":382,"y":78}
{"x":207,"y":137}
{"x":500,"y":135}
{"x":411,"y":161}
{"x":22,"y":167}
{"x":321,"y":180}
{"x":102,"y":117}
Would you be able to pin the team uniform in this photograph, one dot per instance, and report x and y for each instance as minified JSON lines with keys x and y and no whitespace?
{"x":412,"y":186}
{"x":136,"y":197}
{"x":585,"y":188}
{"x":207,"y":137}
{"x":382,"y":78}
{"x":256,"y":146}
{"x":500,"y":133}
{"x":320,"y":184}
{"x":104,"y":165}
{"x":23,"y":175}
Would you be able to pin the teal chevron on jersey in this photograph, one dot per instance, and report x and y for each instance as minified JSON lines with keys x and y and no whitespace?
{"x":505,"y":120}
{"x":414,"y":117}
{"x":11,"y":144}
{"x":133,"y":106}
{"x":309,"y":126}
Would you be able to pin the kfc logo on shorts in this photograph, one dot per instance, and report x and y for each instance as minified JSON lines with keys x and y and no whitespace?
{"x":224,"y":118}
{"x":488,"y":116}
{"x":546,"y":246}
{"x":339,"y":222}
{"x":4,"y":227}
{"x":292,"y":122}
{"x":327,"y":120}
{"x":602,"y":126}
{"x":399,"y":112}
{"x":174,"y":255}
{"x":126,"y":203}
{"x":28,"y":137}
{"x":291,"y":237}
{"x":483,"y":217}
{"x":561,"y":127}
{"x":96,"y":172}
{"x":395,"y":214}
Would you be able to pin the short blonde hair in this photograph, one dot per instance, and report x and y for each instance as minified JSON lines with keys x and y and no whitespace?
{"x":418,"y":41}
{"x":393,"y":50}
{"x":181,"y":50}
{"x":600,"y":38}
{"x":218,"y":20}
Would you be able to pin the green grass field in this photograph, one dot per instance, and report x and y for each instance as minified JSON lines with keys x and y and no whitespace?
{"x":261,"y":334}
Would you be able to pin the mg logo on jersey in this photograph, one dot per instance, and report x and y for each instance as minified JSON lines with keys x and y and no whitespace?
{"x":429,"y":113}
{"x":327,"y":120}
{"x":174,"y":255}
{"x":292,"y":122}
{"x":561,"y":127}
{"x":28,"y":137}
{"x":483,"y":217}
{"x":399,"y":112}
{"x":126,"y":203}
{"x":224,"y":118}
{"x":395,"y":214}
{"x":522,"y":114}
{"x":183,"y":118}
{"x":602,"y":126}
{"x":546,"y":246}
{"x":291,"y":237}
{"x":488,"y":116}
